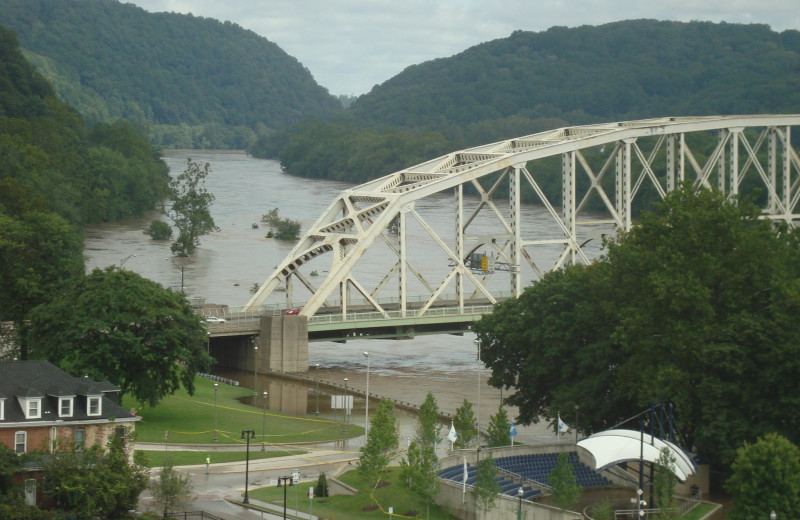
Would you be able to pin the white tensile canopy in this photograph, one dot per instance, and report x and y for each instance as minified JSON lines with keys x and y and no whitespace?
{"x":613,"y":447}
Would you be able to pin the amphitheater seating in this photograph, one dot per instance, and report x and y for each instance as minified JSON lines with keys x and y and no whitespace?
{"x":536,"y":468}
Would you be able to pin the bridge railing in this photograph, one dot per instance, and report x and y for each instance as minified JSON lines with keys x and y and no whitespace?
{"x":400,"y":315}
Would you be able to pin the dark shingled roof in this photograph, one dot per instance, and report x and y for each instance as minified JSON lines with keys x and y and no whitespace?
{"x":45,"y":380}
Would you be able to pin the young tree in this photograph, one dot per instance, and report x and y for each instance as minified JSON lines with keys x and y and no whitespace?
{"x":664,"y":483}
{"x":565,"y":489}
{"x":765,"y":477}
{"x":189,"y":207}
{"x":321,"y":489}
{"x":486,"y":488}
{"x":418,"y":469}
{"x":172,"y":491}
{"x":499,"y":429}
{"x":381,"y":444}
{"x":115,"y":325}
{"x":95,"y":483}
{"x":428,"y":424}
{"x":464,"y":423}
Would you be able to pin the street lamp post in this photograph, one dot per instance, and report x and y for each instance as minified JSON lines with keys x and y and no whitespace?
{"x":366,"y":401}
{"x":255,"y":367}
{"x":316,"y":380}
{"x":576,"y":423}
{"x":208,"y":343}
{"x":247,"y":435}
{"x":478,"y":415}
{"x":520,"y":492}
{"x":346,"y":417}
{"x":263,"y":421}
{"x":283,"y":481}
{"x":216,"y":386}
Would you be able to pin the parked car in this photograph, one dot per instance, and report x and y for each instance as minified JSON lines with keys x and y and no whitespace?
{"x":214,"y":319}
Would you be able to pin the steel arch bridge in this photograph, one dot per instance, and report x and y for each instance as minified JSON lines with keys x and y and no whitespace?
{"x":381,"y":246}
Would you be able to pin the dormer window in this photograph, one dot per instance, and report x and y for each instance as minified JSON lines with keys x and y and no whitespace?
{"x":33,"y":408}
{"x":94,"y":406}
{"x":65,"y":406}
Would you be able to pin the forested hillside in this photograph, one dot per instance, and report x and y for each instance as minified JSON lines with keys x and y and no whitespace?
{"x":530,"y":82}
{"x":55,"y":176}
{"x":199,"y":82}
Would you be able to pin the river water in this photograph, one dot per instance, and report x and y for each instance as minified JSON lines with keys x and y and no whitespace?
{"x":230,"y":261}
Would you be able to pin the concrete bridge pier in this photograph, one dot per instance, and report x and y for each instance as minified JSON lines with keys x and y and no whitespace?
{"x":282,"y":346}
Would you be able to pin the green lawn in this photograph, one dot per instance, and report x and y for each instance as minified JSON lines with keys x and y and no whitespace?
{"x":188,"y":458}
{"x":395,"y":495}
{"x":698,"y":512}
{"x":190,"y":420}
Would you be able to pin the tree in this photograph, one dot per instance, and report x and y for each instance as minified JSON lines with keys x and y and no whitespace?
{"x":382,"y":441}
{"x":93,"y":482}
{"x":159,"y":230}
{"x":428,"y":425}
{"x":281,"y":228}
{"x":681,"y":307}
{"x":664,"y":483}
{"x":190,"y":207}
{"x":115,"y":325}
{"x":418,"y":469}
{"x":486,"y":488}
{"x":499,"y":429}
{"x":565,"y":490}
{"x":765,"y":477}
{"x":464,"y":423}
{"x":10,"y":463}
{"x":40,"y":252}
{"x":321,"y":489}
{"x":172,"y":491}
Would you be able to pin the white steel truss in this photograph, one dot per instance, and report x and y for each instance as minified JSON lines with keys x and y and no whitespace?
{"x":646,"y":158}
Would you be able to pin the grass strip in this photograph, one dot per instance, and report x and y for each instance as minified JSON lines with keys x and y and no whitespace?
{"x":189,"y":458}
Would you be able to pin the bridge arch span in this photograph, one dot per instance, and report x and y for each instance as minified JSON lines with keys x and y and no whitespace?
{"x":364,"y":242}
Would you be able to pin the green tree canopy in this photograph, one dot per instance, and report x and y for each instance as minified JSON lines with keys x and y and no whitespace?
{"x":697,"y":296}
{"x":486,"y":488}
{"x":418,"y":470}
{"x":564,"y":487}
{"x":765,"y":477}
{"x":189,"y":207}
{"x":115,"y":325}
{"x":499,"y":431}
{"x":428,"y":425}
{"x":382,"y":441}
{"x":464,"y":423}
{"x":97,"y":482}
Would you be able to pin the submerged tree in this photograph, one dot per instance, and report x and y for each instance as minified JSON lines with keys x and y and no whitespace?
{"x":189,"y":208}
{"x":281,"y":228}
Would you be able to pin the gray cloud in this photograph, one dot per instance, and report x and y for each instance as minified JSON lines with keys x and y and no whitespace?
{"x":351,"y":45}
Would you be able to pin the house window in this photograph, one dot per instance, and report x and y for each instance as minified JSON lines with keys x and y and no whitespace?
{"x":2,"y":409}
{"x":79,"y":438}
{"x":65,"y":407}
{"x":21,"y":442}
{"x":94,"y":406}
{"x":34,"y":409}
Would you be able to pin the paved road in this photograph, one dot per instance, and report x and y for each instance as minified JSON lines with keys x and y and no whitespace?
{"x":226,"y":481}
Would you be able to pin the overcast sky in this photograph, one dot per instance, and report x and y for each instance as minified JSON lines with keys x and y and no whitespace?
{"x":351,"y":45}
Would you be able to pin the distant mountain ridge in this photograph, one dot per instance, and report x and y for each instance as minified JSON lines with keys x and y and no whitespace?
{"x":111,"y":60}
{"x":530,"y":82}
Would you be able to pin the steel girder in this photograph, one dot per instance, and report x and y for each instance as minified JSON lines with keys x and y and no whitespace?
{"x":647,"y":156}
